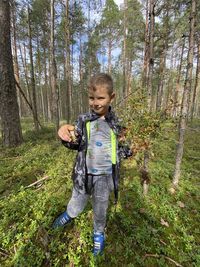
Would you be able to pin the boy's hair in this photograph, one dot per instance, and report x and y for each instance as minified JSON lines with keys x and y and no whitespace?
{"x":101,"y":79}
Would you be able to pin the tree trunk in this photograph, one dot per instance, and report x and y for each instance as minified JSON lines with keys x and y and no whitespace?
{"x":68,"y":66}
{"x":124,"y":51}
{"x":145,"y":173}
{"x":81,"y":74}
{"x":177,"y":92}
{"x":186,"y":93}
{"x":46,"y":86}
{"x":109,"y":55}
{"x":39,"y":70}
{"x":196,"y":79}
{"x":15,"y":59}
{"x":129,"y":77}
{"x":53,"y":73}
{"x":151,"y":53}
{"x":9,"y":110}
{"x":162,"y":67}
{"x":147,"y":79}
{"x":146,"y":48}
{"x":25,"y":73}
{"x":89,"y":38}
{"x":35,"y":116}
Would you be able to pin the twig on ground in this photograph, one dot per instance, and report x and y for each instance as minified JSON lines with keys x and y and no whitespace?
{"x":197,"y":129}
{"x":3,"y":252}
{"x":197,"y":158}
{"x":37,"y":182}
{"x":10,"y":158}
{"x":167,"y":258}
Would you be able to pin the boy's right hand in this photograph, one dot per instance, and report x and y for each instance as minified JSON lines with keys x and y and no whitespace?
{"x":65,"y":132}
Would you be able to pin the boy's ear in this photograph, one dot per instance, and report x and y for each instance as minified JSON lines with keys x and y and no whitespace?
{"x":112,"y":97}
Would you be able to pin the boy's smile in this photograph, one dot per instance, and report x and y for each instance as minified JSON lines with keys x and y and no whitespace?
{"x":100,"y":100}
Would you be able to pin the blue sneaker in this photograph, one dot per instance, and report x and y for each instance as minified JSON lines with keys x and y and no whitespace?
{"x":99,"y":241}
{"x":62,"y":220}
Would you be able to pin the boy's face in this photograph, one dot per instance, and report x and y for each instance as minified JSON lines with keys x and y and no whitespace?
{"x":100,"y":100}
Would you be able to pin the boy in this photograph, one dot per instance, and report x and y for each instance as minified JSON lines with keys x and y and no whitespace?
{"x":96,"y":170}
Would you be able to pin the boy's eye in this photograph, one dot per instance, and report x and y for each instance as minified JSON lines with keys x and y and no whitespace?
{"x":91,"y":98}
{"x":101,"y":98}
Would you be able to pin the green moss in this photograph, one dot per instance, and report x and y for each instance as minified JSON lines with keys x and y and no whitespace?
{"x":134,"y":228}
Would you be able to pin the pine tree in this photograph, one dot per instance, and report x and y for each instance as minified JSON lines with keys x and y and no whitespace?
{"x":9,"y":110}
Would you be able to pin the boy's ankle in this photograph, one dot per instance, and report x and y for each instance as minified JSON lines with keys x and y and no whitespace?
{"x":62,"y":220}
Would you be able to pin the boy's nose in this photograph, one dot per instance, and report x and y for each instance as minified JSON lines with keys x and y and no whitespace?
{"x":96,"y":103}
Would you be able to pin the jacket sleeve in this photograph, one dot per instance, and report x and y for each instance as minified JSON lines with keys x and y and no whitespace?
{"x":123,"y":148}
{"x":70,"y":145}
{"x":124,"y":151}
{"x":74,"y":145}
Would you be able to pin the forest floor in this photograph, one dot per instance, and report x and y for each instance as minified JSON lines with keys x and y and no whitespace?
{"x":159,"y":230}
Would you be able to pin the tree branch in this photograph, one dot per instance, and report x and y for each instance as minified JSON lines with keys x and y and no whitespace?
{"x":26,"y":100}
{"x":165,"y":257}
{"x":37,"y":182}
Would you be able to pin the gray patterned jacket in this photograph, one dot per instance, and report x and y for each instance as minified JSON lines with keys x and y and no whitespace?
{"x":79,"y":174}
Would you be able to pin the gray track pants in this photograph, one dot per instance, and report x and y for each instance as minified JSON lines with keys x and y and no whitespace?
{"x":100,"y":188}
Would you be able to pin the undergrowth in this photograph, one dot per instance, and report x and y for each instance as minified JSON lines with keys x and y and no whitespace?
{"x":159,"y":230}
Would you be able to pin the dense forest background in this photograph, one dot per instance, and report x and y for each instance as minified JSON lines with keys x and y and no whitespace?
{"x":48,"y":52}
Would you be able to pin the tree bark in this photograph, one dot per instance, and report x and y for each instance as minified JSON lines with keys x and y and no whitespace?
{"x":81,"y":74}
{"x":162,"y":66}
{"x":109,"y":55}
{"x":34,"y":101}
{"x":9,"y":110}
{"x":177,"y":92}
{"x":15,"y":58}
{"x":129,"y":77}
{"x":53,"y":73}
{"x":196,"y":80}
{"x":46,"y":86}
{"x":23,"y":59}
{"x":146,"y":47}
{"x":68,"y":65}
{"x":125,"y":51}
{"x":186,"y":93}
{"x":151,"y":53}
